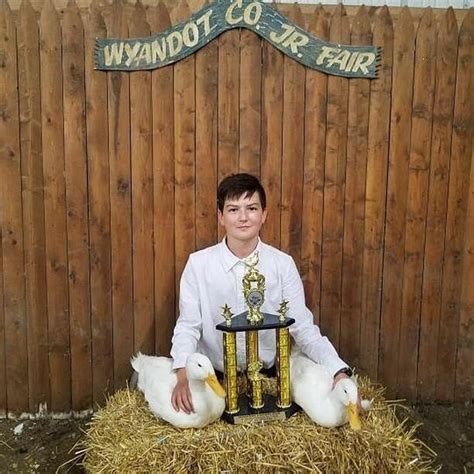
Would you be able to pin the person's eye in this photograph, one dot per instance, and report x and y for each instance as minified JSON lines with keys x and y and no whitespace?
{"x":254,"y":208}
{"x":232,"y":210}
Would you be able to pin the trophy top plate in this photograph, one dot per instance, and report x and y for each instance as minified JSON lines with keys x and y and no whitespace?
{"x":270,"y":321}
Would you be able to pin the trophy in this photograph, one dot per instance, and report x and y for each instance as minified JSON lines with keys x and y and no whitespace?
{"x":256,"y":404}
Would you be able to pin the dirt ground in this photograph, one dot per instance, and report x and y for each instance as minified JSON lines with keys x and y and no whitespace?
{"x":45,"y":445}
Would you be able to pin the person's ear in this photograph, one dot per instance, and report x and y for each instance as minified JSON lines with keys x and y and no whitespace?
{"x":264,"y":216}
{"x":220,"y":216}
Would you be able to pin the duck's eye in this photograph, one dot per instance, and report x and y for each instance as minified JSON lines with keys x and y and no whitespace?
{"x":199,"y":365}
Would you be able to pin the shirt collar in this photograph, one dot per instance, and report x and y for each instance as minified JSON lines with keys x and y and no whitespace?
{"x":229,"y":259}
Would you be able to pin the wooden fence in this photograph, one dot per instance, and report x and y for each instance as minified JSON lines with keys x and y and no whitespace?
{"x":108,"y":182}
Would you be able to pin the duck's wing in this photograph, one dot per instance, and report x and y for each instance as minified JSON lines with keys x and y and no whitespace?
{"x":310,"y":381}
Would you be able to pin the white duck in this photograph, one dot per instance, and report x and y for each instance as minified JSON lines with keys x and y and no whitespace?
{"x":156,"y":379}
{"x":312,"y":389}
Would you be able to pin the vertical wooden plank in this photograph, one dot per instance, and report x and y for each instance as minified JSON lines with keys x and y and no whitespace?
{"x":459,"y":173}
{"x":271,"y":141}
{"x":462,"y":146}
{"x":163,"y":193}
{"x":12,"y":225}
{"x":437,"y":206}
{"x":77,"y":205}
{"x":313,"y":179}
{"x":375,"y":193}
{"x":335,"y":173}
{"x":292,"y":150}
{"x":142,"y":195}
{"x":353,"y":244}
{"x":228,"y":107}
{"x":417,"y":202}
{"x":120,"y":206}
{"x":3,"y":373}
{"x":184,"y":146}
{"x":402,"y":91}
{"x":33,"y":206}
{"x":55,"y":208}
{"x":206,"y":144}
{"x":99,"y":213}
{"x":250,"y":102}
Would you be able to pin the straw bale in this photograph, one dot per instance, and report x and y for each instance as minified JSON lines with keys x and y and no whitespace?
{"x":124,"y":436}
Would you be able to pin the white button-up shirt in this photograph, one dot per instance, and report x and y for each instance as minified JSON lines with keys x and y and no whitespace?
{"x":213,"y":277}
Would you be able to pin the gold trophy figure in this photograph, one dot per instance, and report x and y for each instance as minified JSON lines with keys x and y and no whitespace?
{"x":253,"y":285}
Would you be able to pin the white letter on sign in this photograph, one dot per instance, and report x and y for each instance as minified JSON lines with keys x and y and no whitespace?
{"x":113,"y":54}
{"x":228,"y":14}
{"x":254,"y":9}
{"x":278,"y":39}
{"x":174,"y":48}
{"x":205,"y":19}
{"x":326,"y":53}
{"x":187,"y":37}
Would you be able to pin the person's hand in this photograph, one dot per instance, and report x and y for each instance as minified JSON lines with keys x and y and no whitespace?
{"x":181,"y":398}
{"x":338,"y":377}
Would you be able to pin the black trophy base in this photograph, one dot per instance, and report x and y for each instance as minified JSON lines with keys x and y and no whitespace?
{"x":269,"y":412}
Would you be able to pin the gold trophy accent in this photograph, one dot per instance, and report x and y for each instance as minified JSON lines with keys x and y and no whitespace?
{"x":253,"y":285}
{"x":282,"y":310}
{"x":227,"y":314}
{"x":230,"y":370}
{"x":255,"y":378}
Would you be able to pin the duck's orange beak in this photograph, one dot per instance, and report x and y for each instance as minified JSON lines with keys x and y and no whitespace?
{"x":212,"y":381}
{"x":353,"y":415}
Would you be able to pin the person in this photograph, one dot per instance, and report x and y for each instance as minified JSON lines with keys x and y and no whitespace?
{"x":213,"y":276}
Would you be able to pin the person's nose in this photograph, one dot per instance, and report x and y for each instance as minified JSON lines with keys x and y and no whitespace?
{"x":242,"y":215}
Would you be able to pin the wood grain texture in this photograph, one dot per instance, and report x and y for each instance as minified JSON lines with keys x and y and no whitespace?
{"x":77,"y":207}
{"x":99,"y":214}
{"x":250,"y":102}
{"x":185,"y":173}
{"x":437,"y":208}
{"x":206,"y":144}
{"x":294,"y":76}
{"x":313,"y":179}
{"x":271,"y":140}
{"x":3,"y":371}
{"x":120,"y":207}
{"x":417,"y":202}
{"x":228,"y":107}
{"x":354,"y":201}
{"x":55,"y":209}
{"x":462,"y":145}
{"x":375,"y":195}
{"x":400,"y":125}
{"x":334,"y":188}
{"x":13,"y":267}
{"x":33,"y":208}
{"x":459,"y":173}
{"x":141,"y":129}
{"x":163,"y":193}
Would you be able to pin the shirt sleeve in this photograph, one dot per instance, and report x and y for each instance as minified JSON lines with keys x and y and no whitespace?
{"x":187,"y":331}
{"x":305,"y":333}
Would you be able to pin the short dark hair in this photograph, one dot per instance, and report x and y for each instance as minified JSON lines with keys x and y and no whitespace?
{"x":236,"y":185}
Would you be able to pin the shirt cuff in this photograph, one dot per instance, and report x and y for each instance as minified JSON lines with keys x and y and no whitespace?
{"x":180,"y":361}
{"x":334,"y":365}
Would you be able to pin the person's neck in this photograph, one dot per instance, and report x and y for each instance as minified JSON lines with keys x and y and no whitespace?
{"x":241,"y":249}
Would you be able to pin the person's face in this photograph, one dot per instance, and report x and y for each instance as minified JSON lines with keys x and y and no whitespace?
{"x":242,"y":218}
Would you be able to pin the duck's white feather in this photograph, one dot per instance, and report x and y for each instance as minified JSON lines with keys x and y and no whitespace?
{"x":312,"y":389}
{"x":157,"y":379}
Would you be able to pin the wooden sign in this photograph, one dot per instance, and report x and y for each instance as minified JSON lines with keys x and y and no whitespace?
{"x":205,"y":25}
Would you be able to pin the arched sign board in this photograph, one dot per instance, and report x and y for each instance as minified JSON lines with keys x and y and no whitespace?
{"x":205,"y":25}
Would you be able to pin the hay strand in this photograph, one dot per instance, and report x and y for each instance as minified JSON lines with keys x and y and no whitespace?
{"x":124,"y":436}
